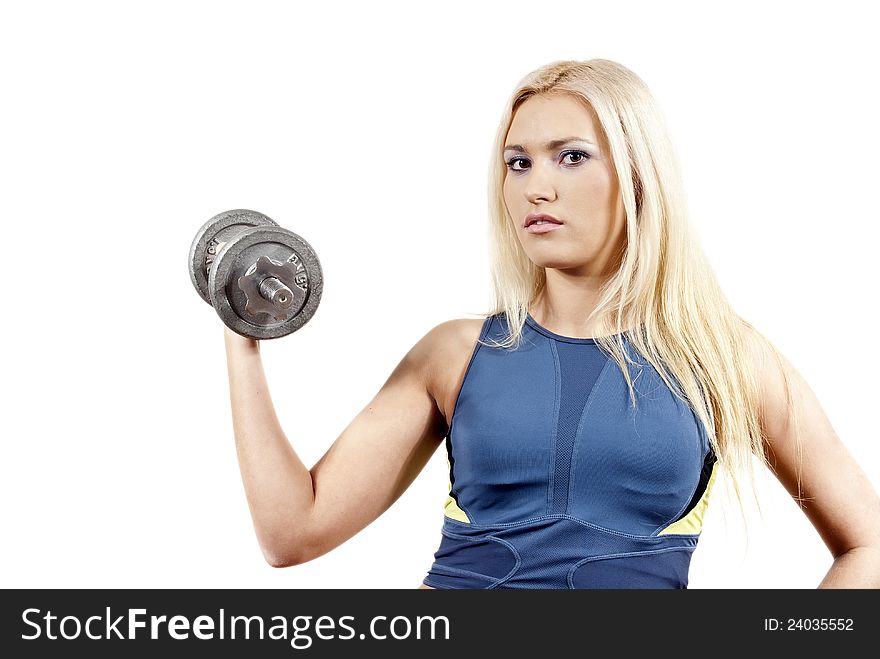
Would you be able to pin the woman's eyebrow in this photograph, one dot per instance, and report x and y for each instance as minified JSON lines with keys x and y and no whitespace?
{"x":552,"y":144}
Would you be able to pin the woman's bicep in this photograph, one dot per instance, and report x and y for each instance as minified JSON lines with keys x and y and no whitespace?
{"x":378,"y":455}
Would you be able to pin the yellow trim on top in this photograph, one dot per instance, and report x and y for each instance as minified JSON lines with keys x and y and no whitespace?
{"x":451,"y":508}
{"x":692,"y":523}
{"x":453,"y":511}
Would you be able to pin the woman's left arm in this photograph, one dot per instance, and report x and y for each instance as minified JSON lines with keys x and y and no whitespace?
{"x":836,"y":495}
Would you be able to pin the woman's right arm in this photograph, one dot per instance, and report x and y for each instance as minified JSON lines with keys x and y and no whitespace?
{"x":298,"y":513}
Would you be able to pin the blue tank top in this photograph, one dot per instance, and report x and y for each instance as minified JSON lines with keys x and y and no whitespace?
{"x":557,"y":482}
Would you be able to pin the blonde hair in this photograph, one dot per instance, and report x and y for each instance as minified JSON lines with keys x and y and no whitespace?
{"x":664,"y":296}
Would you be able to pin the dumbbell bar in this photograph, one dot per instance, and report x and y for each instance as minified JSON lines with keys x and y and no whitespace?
{"x":264,"y":281}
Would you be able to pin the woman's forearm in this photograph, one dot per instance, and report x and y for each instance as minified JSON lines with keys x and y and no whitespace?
{"x":856,"y":568}
{"x":277,"y":484}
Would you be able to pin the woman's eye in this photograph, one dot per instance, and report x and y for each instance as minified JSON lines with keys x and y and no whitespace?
{"x":579,"y":156}
{"x":513,"y":160}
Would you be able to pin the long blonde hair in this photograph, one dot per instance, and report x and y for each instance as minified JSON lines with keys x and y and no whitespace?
{"x":664,"y":297}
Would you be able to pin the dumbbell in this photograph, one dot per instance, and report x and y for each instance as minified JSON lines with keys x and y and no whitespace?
{"x":263,"y":280}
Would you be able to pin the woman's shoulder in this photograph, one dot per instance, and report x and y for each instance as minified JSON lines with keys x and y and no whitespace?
{"x":445,"y":351}
{"x":445,"y":344}
{"x":450,"y":338}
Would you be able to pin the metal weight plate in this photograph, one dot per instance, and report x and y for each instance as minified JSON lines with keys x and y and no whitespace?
{"x":266,"y":282}
{"x":212,"y":236}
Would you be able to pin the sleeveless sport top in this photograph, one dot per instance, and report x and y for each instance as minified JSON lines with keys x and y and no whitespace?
{"x":557,"y":482}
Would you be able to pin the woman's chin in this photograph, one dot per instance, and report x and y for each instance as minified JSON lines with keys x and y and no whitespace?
{"x":557,"y":264}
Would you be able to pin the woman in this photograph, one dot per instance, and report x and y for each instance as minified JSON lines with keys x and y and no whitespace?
{"x":594,"y":405}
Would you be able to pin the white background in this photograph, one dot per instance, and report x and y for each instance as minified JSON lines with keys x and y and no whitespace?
{"x":366,"y":128}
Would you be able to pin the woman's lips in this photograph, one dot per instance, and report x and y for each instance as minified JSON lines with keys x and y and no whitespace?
{"x":542,"y":228}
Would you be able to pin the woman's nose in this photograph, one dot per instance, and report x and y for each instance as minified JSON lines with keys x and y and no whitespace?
{"x":540,"y":184}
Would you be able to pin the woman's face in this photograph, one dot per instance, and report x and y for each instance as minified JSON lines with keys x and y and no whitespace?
{"x":558,"y":164}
